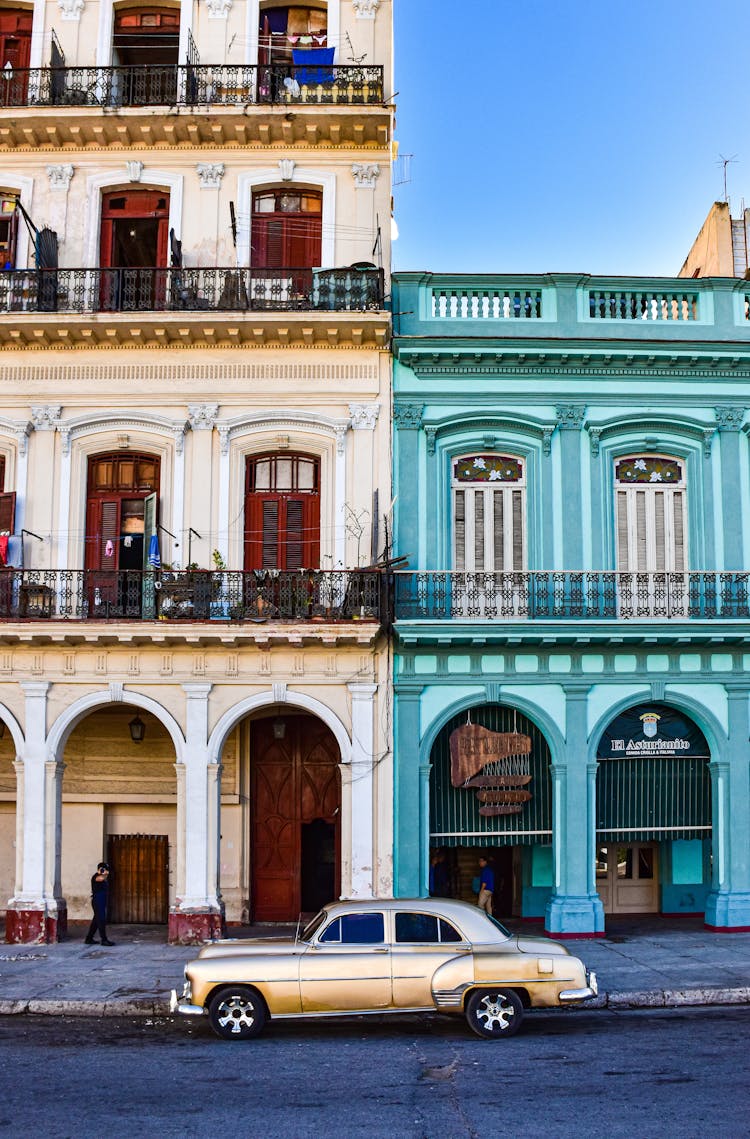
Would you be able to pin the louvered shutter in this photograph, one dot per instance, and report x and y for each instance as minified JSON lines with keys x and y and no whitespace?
{"x":8,"y":512}
{"x":517,"y":542}
{"x":270,"y":534}
{"x":489,"y":529}
{"x":460,"y":530}
{"x":678,"y":506}
{"x":109,"y":532}
{"x":294,"y":535}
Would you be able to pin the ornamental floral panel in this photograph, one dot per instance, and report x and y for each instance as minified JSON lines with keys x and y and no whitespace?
{"x":488,"y":468}
{"x":648,"y":468}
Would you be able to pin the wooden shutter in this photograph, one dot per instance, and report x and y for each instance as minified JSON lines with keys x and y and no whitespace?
{"x":102,"y":525}
{"x":303,"y":241}
{"x":150,"y":521}
{"x":460,"y":529}
{"x":650,"y":530}
{"x":489,"y":529}
{"x":270,"y":534}
{"x":295,"y":534}
{"x":8,"y":512}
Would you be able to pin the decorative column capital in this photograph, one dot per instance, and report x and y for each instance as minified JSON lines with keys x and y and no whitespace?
{"x":60,"y":176}
{"x":203,"y":416}
{"x":708,"y":438}
{"x":70,"y":9}
{"x":224,"y":435}
{"x":22,"y":438}
{"x":210,"y":174}
{"x":729,"y":418}
{"x":548,"y":430}
{"x":340,"y":432}
{"x":218,"y":9}
{"x":197,"y":690}
{"x":431,"y":436}
{"x":570,"y":416}
{"x":362,"y":691}
{"x":365,"y":9}
{"x":364,"y":416}
{"x":365,"y":175}
{"x":595,"y":434}
{"x":408,"y":416}
{"x":45,"y":416}
{"x":34,"y":688}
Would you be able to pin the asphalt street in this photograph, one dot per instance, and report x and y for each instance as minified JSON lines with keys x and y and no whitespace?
{"x":627,"y":1074}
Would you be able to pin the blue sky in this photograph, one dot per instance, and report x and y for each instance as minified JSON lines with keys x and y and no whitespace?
{"x":579,"y":136}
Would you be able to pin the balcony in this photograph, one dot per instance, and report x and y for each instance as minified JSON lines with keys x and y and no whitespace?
{"x":191,"y":86}
{"x":208,"y":105}
{"x":253,"y":599}
{"x":163,"y":306}
{"x":567,"y":595}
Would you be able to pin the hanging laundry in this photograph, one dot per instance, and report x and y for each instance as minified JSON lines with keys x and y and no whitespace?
{"x":154,"y":555}
{"x":109,"y":549}
{"x":4,"y":539}
{"x":127,"y":541}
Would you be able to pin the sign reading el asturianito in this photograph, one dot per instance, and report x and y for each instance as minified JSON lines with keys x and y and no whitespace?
{"x":653,"y":731}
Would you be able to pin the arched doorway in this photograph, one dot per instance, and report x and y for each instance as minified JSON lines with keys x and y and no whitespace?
{"x":653,"y":813}
{"x":491,"y":794}
{"x":294,"y":815}
{"x":7,"y":815}
{"x":122,"y":499}
{"x":119,"y":799}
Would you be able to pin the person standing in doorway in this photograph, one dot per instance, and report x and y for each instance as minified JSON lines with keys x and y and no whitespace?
{"x":486,"y":886}
{"x":99,"y":902}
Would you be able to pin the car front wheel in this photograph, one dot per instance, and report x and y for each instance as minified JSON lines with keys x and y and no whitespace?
{"x":494,"y":1013}
{"x":237,"y":1013}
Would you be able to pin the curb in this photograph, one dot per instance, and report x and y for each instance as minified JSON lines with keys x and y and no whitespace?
{"x":159,"y":1006}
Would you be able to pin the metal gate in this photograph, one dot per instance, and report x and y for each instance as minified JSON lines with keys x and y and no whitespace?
{"x":139,"y":876}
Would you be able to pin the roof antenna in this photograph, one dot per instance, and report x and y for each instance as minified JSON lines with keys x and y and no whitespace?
{"x":726,"y":162}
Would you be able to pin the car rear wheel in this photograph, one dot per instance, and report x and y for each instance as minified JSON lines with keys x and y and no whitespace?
{"x":237,"y":1013}
{"x":494,"y":1012}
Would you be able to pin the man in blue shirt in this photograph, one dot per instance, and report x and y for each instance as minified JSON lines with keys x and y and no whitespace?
{"x":486,"y":886}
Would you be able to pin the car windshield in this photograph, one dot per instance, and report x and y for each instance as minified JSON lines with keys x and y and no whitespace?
{"x":312,"y":927}
{"x":499,"y":925}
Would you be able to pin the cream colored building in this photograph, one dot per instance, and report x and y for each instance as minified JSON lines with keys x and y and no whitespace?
{"x":722,"y":248}
{"x":194,"y":448}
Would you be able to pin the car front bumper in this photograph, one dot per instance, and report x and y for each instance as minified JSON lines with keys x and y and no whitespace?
{"x":184,"y":1004}
{"x":569,"y":996}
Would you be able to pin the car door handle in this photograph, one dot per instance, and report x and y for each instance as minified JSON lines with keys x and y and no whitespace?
{"x":380,"y":949}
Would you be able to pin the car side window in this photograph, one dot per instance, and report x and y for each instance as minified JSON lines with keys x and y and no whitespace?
{"x":449,"y":932}
{"x":355,"y":929}
{"x":422,"y":928}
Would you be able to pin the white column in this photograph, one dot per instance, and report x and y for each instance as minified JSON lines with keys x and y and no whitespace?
{"x":200,"y":892}
{"x":186,"y":26}
{"x":222,"y":538}
{"x":22,"y":477}
{"x":37,"y":36}
{"x":63,"y":513}
{"x":178,"y":499}
{"x":362,"y":798}
{"x":339,"y":524}
{"x":32,"y":816}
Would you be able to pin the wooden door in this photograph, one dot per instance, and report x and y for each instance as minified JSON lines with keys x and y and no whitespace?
{"x":139,"y":890}
{"x":294,"y":784}
{"x":627,"y":878}
{"x":282,"y":513}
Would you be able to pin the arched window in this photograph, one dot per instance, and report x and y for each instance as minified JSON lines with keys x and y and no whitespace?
{"x":650,"y":506}
{"x":282,"y":512}
{"x":488,"y":513}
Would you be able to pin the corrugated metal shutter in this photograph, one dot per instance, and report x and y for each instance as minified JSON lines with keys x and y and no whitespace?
{"x":454,"y":811}
{"x":643,"y":798}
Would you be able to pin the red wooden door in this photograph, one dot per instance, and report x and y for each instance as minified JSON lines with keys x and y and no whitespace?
{"x":15,"y":38}
{"x":286,"y":229}
{"x":282,"y":513}
{"x":294,"y":782}
{"x":135,"y":229}
{"x":139,"y":878}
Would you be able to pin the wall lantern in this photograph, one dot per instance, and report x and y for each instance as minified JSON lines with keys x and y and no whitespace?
{"x":279,"y":729}
{"x":137,"y":729}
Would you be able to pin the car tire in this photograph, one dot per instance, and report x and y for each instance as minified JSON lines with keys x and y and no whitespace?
{"x":237,"y":1013}
{"x":493,"y":1013}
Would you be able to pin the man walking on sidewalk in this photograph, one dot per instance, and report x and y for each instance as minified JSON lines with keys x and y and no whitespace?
{"x":99,"y":901}
{"x":486,"y":886}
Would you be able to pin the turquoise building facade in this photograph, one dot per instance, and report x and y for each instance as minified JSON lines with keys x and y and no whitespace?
{"x":571,"y":666}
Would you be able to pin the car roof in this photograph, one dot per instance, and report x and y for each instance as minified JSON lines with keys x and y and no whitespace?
{"x":472,"y":920}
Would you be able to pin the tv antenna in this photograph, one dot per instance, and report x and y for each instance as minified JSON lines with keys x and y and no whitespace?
{"x":726,"y":162}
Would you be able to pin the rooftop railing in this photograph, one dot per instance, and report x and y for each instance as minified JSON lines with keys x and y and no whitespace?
{"x":569,"y":305}
{"x":201,"y":85}
{"x":255,"y":596}
{"x":587,"y":595}
{"x":190,"y":289}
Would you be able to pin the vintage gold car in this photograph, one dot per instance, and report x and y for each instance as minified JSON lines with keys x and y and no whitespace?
{"x":384,"y":956}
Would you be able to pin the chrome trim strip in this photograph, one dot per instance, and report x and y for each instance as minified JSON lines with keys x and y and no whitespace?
{"x":388,"y":1009}
{"x":569,"y":995}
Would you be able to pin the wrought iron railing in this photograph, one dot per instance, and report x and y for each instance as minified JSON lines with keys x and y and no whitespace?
{"x":150,"y":85}
{"x":255,"y":596}
{"x":190,"y":289}
{"x":571,"y":595}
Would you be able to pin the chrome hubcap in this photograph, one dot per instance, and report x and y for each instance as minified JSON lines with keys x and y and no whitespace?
{"x":494,"y":1014}
{"x":236,"y":1014}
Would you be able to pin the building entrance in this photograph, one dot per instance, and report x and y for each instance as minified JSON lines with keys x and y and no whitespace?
{"x":295,"y":812}
{"x":627,"y":878}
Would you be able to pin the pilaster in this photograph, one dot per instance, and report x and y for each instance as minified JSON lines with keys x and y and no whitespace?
{"x":729,"y":421}
{"x":728,"y":904}
{"x":411,"y":824}
{"x":407,"y":420}
{"x":570,"y":417}
{"x":362,"y":790}
{"x":196,"y":915}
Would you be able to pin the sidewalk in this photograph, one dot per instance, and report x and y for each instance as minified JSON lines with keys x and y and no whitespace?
{"x":641,"y":963}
